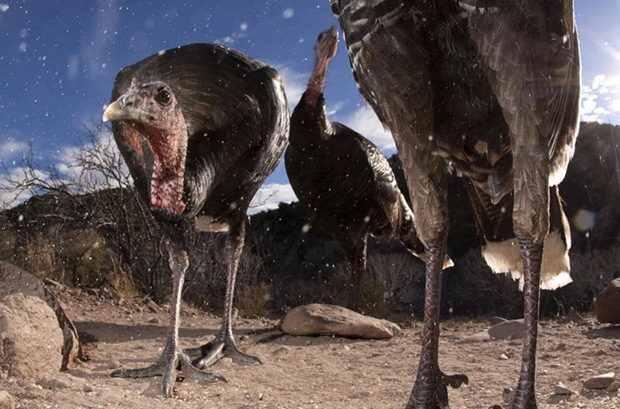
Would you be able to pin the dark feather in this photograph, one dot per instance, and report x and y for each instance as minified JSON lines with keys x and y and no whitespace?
{"x":236,"y":136}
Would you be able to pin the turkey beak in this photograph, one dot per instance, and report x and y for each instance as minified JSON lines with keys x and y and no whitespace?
{"x":333,"y":33}
{"x":113,"y":112}
{"x":126,"y":108}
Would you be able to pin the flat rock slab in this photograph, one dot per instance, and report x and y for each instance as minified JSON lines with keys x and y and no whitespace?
{"x":482,"y":336}
{"x":607,"y":304}
{"x":602,"y":381}
{"x":325,"y":319}
{"x":512,"y":329}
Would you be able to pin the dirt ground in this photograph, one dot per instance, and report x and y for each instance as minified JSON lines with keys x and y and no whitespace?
{"x":307,"y":372}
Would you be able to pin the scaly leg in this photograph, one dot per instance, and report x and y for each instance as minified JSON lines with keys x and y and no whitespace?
{"x":224,"y":344}
{"x":172,"y":358}
{"x":430,"y":388}
{"x":356,"y":255}
{"x":525,"y":394}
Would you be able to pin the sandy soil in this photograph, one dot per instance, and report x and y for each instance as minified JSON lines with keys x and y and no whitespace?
{"x":306,"y":372}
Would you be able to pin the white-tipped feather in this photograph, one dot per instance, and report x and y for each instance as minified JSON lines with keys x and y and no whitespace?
{"x":505,"y":257}
{"x":208,"y":224}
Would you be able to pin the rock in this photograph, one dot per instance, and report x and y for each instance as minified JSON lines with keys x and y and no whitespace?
{"x":561,"y":389}
{"x":512,"y":329}
{"x":615,"y":385}
{"x":503,"y":357}
{"x":479,"y":337}
{"x":61,"y":381}
{"x":496,"y":320}
{"x":6,"y":400}
{"x":16,"y":280}
{"x":324,"y":319}
{"x":575,"y":317}
{"x":607,"y":304}
{"x":32,"y":341}
{"x":602,"y":381}
{"x":113,"y":364}
{"x":152,"y":305}
{"x":55,"y":382}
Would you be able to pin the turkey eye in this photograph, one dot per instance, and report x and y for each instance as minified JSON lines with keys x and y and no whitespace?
{"x":163,"y":97}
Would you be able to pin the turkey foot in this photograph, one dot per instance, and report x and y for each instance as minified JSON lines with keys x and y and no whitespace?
{"x":211,"y":352}
{"x":171,"y":361}
{"x":520,"y":398}
{"x":433,"y":394}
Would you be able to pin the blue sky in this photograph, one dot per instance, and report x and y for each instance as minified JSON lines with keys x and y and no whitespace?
{"x":58,"y":60}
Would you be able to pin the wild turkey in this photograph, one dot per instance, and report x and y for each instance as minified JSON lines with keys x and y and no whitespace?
{"x":343,"y":178}
{"x":488,"y":89}
{"x":200,"y":127}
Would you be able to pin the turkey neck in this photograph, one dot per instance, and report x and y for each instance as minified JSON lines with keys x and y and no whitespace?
{"x":316,"y":83}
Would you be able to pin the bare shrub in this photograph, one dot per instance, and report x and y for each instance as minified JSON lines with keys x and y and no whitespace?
{"x":401,"y":276}
{"x":92,"y":190}
{"x":38,"y":255}
{"x":591,"y":272}
{"x":252,"y":300}
{"x":471,"y":288}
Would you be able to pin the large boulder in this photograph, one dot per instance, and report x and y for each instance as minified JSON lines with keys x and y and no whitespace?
{"x":607,"y":304}
{"x":32,"y":340}
{"x":325,"y":319}
{"x":17,"y":281}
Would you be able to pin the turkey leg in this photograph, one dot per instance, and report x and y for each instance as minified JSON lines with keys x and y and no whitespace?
{"x":430,"y":389}
{"x":172,"y":358}
{"x":525,"y":394}
{"x":224,"y":344}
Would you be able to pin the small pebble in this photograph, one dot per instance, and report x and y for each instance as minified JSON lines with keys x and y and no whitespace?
{"x":615,"y":385}
{"x":114,"y":364}
{"x":184,"y":395}
{"x":561,"y":389}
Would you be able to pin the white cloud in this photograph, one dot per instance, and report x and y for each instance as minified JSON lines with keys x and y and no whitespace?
{"x":294,"y":84}
{"x":66,"y":161}
{"x":270,"y":195}
{"x":231,"y":39}
{"x":11,"y":149}
{"x":365,"y":121}
{"x":600,"y":100}
{"x":67,"y":169}
{"x":9,"y":196}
